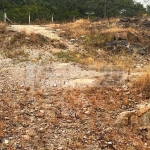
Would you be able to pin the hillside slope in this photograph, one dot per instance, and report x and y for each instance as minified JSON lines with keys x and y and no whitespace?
{"x":82,"y":85}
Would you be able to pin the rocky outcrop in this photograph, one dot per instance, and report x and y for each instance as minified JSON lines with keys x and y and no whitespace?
{"x":138,"y":22}
{"x":117,"y":44}
{"x":137,"y":119}
{"x":120,"y":36}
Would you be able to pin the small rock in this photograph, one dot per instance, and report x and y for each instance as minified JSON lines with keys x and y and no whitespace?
{"x":138,"y":66}
{"x":69,"y":121}
{"x":72,"y":40}
{"x":40,"y":114}
{"x":109,"y":143}
{"x":6,"y":118}
{"x":27,"y":88}
{"x":26,"y":137}
{"x":6,"y":141}
{"x":54,"y":85}
{"x":42,"y":111}
{"x":83,"y":36}
{"x":85,"y":137}
{"x":42,"y":130}
{"x":76,"y":45}
{"x":30,"y":132}
{"x":26,"y":38}
{"x":145,"y":144}
{"x":10,"y":138}
{"x":87,"y":112}
{"x":58,"y":30}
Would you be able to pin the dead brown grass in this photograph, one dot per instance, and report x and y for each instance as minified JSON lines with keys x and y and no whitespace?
{"x":20,"y":40}
{"x":85,"y":116}
{"x":89,"y":115}
{"x":116,"y":29}
{"x":125,"y":61}
{"x":2,"y":27}
{"x":85,"y":27}
{"x":94,"y":35}
{"x":19,"y":54}
{"x":142,"y":82}
{"x":76,"y":29}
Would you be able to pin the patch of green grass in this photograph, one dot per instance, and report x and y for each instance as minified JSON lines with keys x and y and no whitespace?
{"x":17,"y":54}
{"x":69,"y":56}
{"x":97,"y":40}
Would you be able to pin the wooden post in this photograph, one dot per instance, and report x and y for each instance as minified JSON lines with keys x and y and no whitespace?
{"x":88,"y":16}
{"x":5,"y":16}
{"x":52,"y":17}
{"x":74,"y":18}
{"x":29,"y":18}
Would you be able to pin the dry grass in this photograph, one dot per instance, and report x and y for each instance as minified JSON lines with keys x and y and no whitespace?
{"x":17,"y":54}
{"x":87,"y":28}
{"x":76,"y":29}
{"x":58,"y":44}
{"x":142,"y":82}
{"x":116,"y":29}
{"x":2,"y":27}
{"x":82,"y":58}
{"x":83,"y":117}
{"x":81,"y":28}
{"x":94,"y":35}
{"x":25,"y":39}
{"x":20,"y":39}
{"x":86,"y":115}
{"x":110,"y":21}
{"x":71,"y":56}
{"x":124,"y":60}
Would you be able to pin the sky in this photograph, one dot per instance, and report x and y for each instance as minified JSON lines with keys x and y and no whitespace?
{"x":141,"y":1}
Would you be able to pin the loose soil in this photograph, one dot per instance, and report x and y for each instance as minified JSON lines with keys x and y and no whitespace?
{"x":47,"y":103}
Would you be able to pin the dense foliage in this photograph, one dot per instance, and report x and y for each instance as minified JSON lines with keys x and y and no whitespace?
{"x":18,"y":10}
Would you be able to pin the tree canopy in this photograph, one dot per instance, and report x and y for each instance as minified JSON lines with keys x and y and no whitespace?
{"x":18,"y":10}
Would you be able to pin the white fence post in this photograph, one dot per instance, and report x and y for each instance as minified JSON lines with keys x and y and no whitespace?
{"x":29,"y":18}
{"x":52,"y":17}
{"x":5,"y":16}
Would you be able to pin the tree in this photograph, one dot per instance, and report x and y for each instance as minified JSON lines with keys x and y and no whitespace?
{"x":67,"y":9}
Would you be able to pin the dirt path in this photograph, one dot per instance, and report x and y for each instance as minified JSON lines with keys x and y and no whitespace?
{"x":37,"y":29}
{"x":56,"y":74}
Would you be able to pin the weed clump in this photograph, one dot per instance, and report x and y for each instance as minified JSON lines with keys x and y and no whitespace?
{"x":67,"y":56}
{"x":2,"y":27}
{"x":58,"y":44}
{"x":17,"y":54}
{"x":142,"y":84}
{"x":73,"y":56}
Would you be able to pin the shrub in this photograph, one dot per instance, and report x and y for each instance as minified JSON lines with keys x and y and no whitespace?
{"x":142,"y":83}
{"x":2,"y":27}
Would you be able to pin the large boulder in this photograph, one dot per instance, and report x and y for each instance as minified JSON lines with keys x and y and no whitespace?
{"x":119,"y":43}
{"x":136,"y":119}
{"x":125,"y":19}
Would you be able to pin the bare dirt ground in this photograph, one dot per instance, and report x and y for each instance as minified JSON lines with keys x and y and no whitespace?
{"x":49,"y":104}
{"x":52,"y":73}
{"x":47,"y":31}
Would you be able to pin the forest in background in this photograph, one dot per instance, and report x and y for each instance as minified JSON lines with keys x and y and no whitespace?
{"x":65,"y":10}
